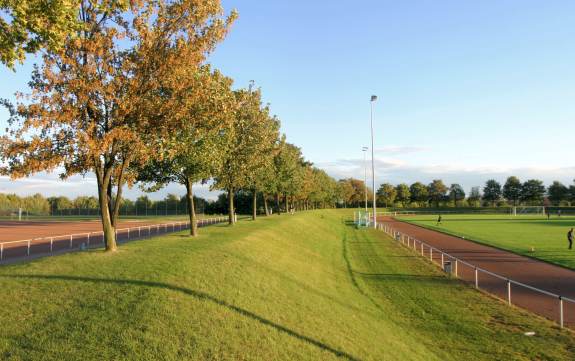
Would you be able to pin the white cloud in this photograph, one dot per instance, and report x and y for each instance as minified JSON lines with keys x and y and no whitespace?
{"x":398,"y":149}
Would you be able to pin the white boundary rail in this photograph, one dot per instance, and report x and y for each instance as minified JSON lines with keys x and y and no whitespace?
{"x":430,"y":252}
{"x":24,"y":248}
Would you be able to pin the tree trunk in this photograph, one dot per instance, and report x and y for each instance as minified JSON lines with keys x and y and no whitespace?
{"x":118,"y":200}
{"x":278,"y":203}
{"x":108,"y":229}
{"x":254,"y":204}
{"x":287,"y":203}
{"x":110,"y":198}
{"x":266,"y":205}
{"x":231,"y":218}
{"x":191,"y":208}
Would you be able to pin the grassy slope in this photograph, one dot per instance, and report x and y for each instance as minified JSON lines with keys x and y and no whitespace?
{"x":517,"y":234}
{"x":291,"y":287}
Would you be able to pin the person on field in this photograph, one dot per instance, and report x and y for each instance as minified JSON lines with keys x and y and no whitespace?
{"x":548,"y":215}
{"x":559,"y":213}
{"x":439,"y":220}
{"x":570,"y":238}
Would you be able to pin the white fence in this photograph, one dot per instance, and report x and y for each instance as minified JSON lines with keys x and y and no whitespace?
{"x":544,"y":303}
{"x":46,"y":246}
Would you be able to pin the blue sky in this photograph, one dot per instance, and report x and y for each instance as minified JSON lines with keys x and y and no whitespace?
{"x":468,"y":90}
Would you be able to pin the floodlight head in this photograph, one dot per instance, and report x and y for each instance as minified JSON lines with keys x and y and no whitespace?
{"x":373,"y":98}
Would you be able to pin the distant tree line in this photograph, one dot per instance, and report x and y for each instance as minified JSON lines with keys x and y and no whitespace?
{"x":513,"y":192}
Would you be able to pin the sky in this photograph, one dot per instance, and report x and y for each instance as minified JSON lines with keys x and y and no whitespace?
{"x":467,"y":91}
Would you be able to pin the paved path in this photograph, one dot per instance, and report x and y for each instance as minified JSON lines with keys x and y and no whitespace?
{"x":539,"y":274}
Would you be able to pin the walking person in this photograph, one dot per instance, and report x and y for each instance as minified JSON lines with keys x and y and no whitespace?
{"x":438,"y":220}
{"x":570,"y":238}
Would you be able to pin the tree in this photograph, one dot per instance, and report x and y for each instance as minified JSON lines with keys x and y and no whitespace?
{"x":345,"y":191}
{"x":84,"y":202}
{"x":59,"y":203}
{"x":289,"y":168}
{"x":30,"y":25}
{"x":557,"y":192}
{"x":192,"y":153}
{"x":403,"y":193}
{"x":512,"y":190}
{"x":143,"y":203}
{"x":533,"y":191}
{"x":249,"y":144}
{"x":571,"y":193}
{"x":264,"y":138}
{"x":492,"y":191}
{"x":386,"y":194}
{"x":324,"y":189}
{"x":474,"y":196}
{"x":419,"y":192}
{"x":456,"y":193}
{"x":436,"y":191}
{"x":99,"y":105}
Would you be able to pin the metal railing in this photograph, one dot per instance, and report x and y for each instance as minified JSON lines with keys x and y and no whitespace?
{"x":544,"y":303}
{"x":47,"y":246}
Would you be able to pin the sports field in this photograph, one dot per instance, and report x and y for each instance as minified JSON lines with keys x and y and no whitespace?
{"x":301,"y":287}
{"x":533,"y":235}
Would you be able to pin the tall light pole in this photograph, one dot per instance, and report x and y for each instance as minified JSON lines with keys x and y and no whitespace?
{"x":373,"y":99}
{"x":364,"y":149}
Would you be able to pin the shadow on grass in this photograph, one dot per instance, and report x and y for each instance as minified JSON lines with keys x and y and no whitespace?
{"x":196,"y":294}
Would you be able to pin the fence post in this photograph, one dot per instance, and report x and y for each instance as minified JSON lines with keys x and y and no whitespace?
{"x":431,"y":254}
{"x":71,"y":240}
{"x":88,"y":239}
{"x":476,"y":278}
{"x":561,"y":311}
{"x":421,"y":249}
{"x":29,"y":247}
{"x":51,"y":243}
{"x":442,"y":262}
{"x":509,"y":292}
{"x":1,"y":251}
{"x":128,"y":234}
{"x":456,"y":268}
{"x":139,"y":231}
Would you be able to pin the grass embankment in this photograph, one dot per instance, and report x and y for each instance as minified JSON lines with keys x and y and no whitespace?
{"x":533,"y":236}
{"x":305,"y":287}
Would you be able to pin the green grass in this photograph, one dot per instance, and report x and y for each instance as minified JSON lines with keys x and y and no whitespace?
{"x":302,"y":287}
{"x":533,"y":236}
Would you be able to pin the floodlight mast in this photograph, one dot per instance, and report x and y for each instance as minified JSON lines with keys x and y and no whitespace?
{"x":373,"y":100}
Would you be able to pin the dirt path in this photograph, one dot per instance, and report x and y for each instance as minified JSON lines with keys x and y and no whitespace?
{"x":526,"y":270}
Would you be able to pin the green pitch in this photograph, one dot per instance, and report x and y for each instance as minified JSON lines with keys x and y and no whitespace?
{"x":532,"y":235}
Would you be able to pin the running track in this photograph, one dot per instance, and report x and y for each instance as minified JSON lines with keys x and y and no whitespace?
{"x":526,"y":270}
{"x":53,"y":237}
